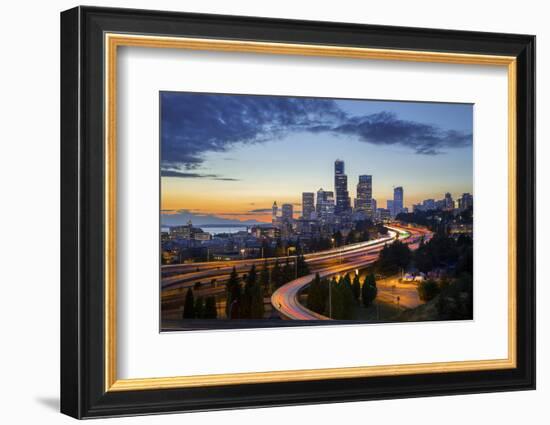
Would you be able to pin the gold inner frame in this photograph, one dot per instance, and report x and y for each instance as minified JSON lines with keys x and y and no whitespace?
{"x":113,"y":41}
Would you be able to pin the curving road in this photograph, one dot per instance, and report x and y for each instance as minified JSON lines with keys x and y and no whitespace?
{"x":286,"y":299}
{"x":184,"y":274}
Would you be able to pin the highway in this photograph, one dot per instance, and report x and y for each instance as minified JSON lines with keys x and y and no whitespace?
{"x":184,"y":275}
{"x":286,"y":299}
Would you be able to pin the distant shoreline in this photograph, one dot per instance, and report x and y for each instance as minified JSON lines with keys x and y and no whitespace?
{"x":219,"y":225}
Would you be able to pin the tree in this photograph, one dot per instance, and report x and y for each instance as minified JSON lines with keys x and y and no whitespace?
{"x":233,"y":295}
{"x":333,"y":303}
{"x":277,"y":278}
{"x":348,"y":300}
{"x":288,"y":272}
{"x":210,"y":309}
{"x":317,"y":294}
{"x":356,"y":287}
{"x":246,"y":297}
{"x":252,"y":299}
{"x":456,"y":299}
{"x":264,"y":278}
{"x":393,"y":258}
{"x":346,"y":280}
{"x":382,"y":230}
{"x":342,"y":300}
{"x":199,"y":308}
{"x":369,"y":290}
{"x":338,"y":238}
{"x":428,"y":290}
{"x":302,"y":267}
{"x":189,"y":305}
{"x":257,"y":301}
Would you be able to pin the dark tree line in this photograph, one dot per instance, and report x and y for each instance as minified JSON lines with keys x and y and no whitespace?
{"x":445,"y":252}
{"x":437,"y":220}
{"x":245,"y":296}
{"x":338,"y":298}
{"x":199,"y":308}
{"x":393,"y":258}
{"x":453,"y":293}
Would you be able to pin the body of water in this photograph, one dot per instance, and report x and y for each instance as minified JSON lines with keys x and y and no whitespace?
{"x":228,"y":229}
{"x":214,"y":230}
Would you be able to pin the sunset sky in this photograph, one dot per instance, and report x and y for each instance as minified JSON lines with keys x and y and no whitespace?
{"x":230,"y":156}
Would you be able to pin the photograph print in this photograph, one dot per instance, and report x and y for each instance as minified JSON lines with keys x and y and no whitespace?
{"x":292,"y":211}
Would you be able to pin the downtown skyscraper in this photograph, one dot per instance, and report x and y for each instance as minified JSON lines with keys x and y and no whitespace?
{"x":308,"y":205}
{"x":343,"y":204}
{"x":363,"y":201}
{"x":397,"y":200}
{"x":325,"y":206}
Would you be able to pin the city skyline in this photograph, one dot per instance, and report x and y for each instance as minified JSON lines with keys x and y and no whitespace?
{"x":428,"y":153}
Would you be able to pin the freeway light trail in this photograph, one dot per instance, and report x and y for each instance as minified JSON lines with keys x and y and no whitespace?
{"x":286,"y":299}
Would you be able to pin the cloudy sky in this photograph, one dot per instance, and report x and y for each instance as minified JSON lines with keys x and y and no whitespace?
{"x":228,"y":157}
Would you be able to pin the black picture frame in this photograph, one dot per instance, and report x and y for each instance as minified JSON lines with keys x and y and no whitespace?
{"x":83,"y":392}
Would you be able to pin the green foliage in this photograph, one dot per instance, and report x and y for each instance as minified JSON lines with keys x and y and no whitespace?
{"x":210,"y":309}
{"x":320,"y":244}
{"x":393,"y":258}
{"x":303,"y":268}
{"x":342,"y":300}
{"x":456,"y":299}
{"x":199,"y":308}
{"x":252,"y":300}
{"x":443,"y":252}
{"x":232,"y":295}
{"x":277,"y":277}
{"x":317,"y":294}
{"x":189,"y":305}
{"x":356,"y":287}
{"x":289,"y":272}
{"x":369,"y":290}
{"x":440,"y":251}
{"x":382,"y":230}
{"x":428,"y":290}
{"x":338,"y":238}
{"x":264,"y":278}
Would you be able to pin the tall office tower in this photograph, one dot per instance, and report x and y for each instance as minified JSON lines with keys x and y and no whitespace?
{"x":428,"y":204}
{"x":274,"y":210}
{"x":343,"y":203}
{"x":287,"y":212}
{"x":449,"y":203}
{"x":397,"y":200}
{"x":390,"y":207}
{"x":374,"y":206}
{"x":466,"y":201}
{"x":339,"y":167}
{"x":364,"y":195}
{"x":308,"y":205}
{"x":325,"y":206}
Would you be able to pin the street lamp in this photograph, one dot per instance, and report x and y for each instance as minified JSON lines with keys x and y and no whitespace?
{"x":242,"y":253}
{"x":295,"y":261}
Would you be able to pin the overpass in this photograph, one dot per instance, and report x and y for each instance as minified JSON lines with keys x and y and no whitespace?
{"x":286,"y":299}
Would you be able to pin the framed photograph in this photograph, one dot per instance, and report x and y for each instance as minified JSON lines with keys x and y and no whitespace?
{"x":261,"y":212}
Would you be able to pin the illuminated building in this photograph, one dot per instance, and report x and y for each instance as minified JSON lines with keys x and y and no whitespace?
{"x":308,"y":205}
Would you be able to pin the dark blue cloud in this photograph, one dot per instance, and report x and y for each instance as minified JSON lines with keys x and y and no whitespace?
{"x":191,"y":175}
{"x":195,"y":123}
{"x":260,"y":210}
